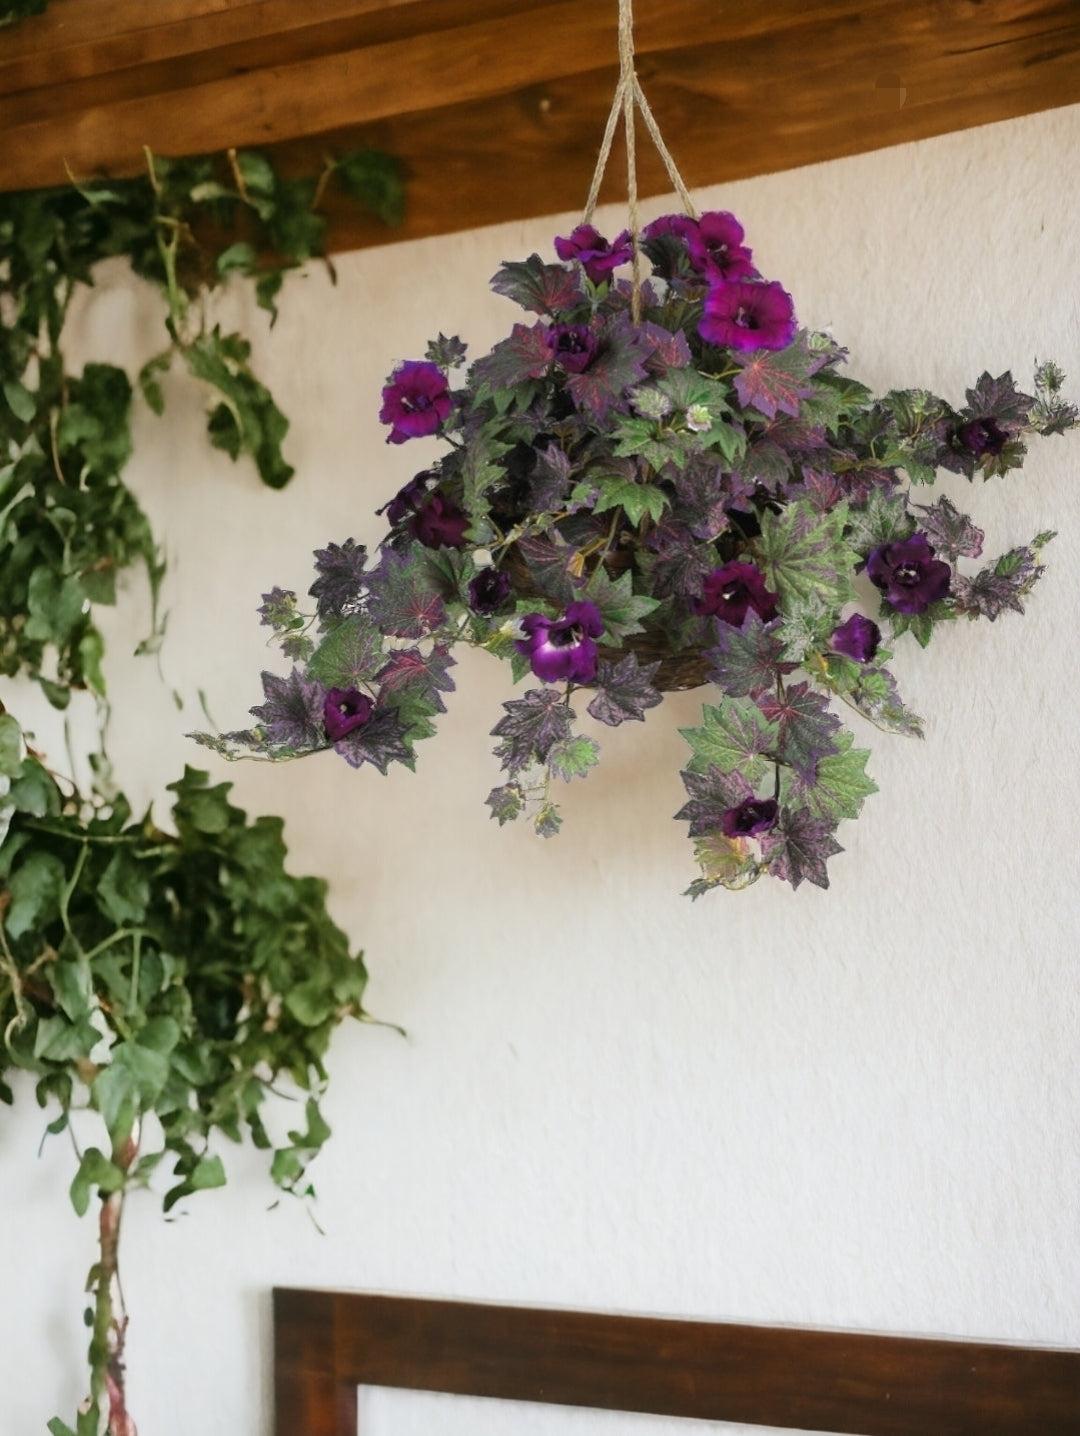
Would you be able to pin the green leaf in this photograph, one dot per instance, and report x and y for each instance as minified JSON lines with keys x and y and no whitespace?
{"x":635,"y":499}
{"x":35,"y":889}
{"x":620,"y":607}
{"x":124,"y":889}
{"x":841,"y":784}
{"x":805,"y":555}
{"x":734,"y":737}
{"x":573,"y":758}
{"x":149,"y":382}
{"x":95,"y":1170}
{"x":309,"y":1003}
{"x":209,"y":1173}
{"x":72,"y":983}
{"x":11,"y":762}
{"x":239,"y":256}
{"x":34,"y":791}
{"x":20,"y":401}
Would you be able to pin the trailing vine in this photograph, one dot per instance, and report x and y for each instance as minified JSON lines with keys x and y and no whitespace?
{"x":181,"y":973}
{"x":68,"y":522}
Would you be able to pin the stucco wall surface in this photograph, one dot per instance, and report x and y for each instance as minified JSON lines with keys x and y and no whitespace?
{"x":853,"y":1108}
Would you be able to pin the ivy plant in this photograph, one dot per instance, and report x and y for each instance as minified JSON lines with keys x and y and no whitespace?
{"x":185,"y":974}
{"x":68,"y":522}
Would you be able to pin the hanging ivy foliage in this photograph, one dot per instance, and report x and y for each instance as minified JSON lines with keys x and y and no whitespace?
{"x":68,"y":522}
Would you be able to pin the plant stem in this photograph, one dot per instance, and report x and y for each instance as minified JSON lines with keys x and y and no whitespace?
{"x":110,"y":1319}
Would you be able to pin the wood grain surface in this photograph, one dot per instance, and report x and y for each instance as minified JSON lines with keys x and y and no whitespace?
{"x":496,"y":107}
{"x":326,"y":1344}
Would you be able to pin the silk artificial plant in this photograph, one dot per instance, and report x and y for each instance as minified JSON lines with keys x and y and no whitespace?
{"x":653,"y":484}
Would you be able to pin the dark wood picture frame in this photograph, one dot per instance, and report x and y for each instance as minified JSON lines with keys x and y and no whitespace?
{"x":326,"y":1344}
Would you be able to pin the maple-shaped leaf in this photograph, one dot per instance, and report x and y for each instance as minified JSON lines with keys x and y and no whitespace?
{"x":875,"y":695}
{"x":532,"y":726}
{"x":840,"y":784}
{"x":619,"y":364}
{"x":380,"y":741}
{"x":882,"y":519}
{"x":293,"y":712}
{"x":620,"y":607}
{"x":725,"y":862}
{"x":666,"y":349}
{"x":767,"y":463}
{"x":951,"y":532}
{"x":1050,"y":414}
{"x":712,"y":794}
{"x":633,"y":497}
{"x":702,"y":499}
{"x":798,"y":848}
{"x":623,"y":691}
{"x":572,"y":757}
{"x":734,"y":737}
{"x":411,"y":669}
{"x":749,"y":657}
{"x":403,"y":594}
{"x":995,"y":588}
{"x":278,"y":610}
{"x":773,"y":380}
{"x":481,"y":471}
{"x":349,"y":654}
{"x":446,"y":353}
{"x":547,"y":821}
{"x":549,"y":483}
{"x":526,"y":354}
{"x":340,"y":568}
{"x":999,"y":399}
{"x":550,"y":565}
{"x":506,"y":803}
{"x":544,"y":288}
{"x":804,"y":553}
{"x":807,"y":725}
{"x":675,"y":564}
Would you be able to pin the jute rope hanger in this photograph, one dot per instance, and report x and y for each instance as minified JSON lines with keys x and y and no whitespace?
{"x":628,"y":95}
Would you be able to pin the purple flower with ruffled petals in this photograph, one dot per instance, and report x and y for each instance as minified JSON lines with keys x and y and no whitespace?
{"x":857,"y":637}
{"x":755,"y":815}
{"x":344,"y":710}
{"x":488,"y":589}
{"x":416,"y":401}
{"x":575,"y":346}
{"x":439,"y":523}
{"x":563,"y":648}
{"x":716,"y":247}
{"x":598,"y":257}
{"x":908,"y":574}
{"x":744,"y":314}
{"x":678,"y":226}
{"x":981,"y":436}
{"x":408,"y":499}
{"x":729,"y":593}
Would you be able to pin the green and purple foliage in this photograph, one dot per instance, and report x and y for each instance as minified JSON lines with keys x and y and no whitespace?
{"x":652,"y":490}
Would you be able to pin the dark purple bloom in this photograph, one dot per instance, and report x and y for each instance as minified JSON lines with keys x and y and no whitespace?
{"x":755,"y":815}
{"x":407,"y":500}
{"x":680,"y":226}
{"x":981,"y":436}
{"x":488,"y":589}
{"x":563,"y":648}
{"x":730,"y":592}
{"x":597,"y":256}
{"x":439,"y":523}
{"x":345,"y":709}
{"x":857,"y":637}
{"x":745,"y":314}
{"x":908,"y":574}
{"x":716,"y":247}
{"x":416,"y":401}
{"x":575,"y":346}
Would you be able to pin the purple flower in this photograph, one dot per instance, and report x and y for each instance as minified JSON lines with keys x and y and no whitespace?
{"x":716,"y":247}
{"x":598,"y":257}
{"x":488,"y":589}
{"x":563,"y":648}
{"x":416,"y":401}
{"x":407,"y":500}
{"x":745,"y":314}
{"x":679,"y":226}
{"x":981,"y":436}
{"x":755,"y":815}
{"x":345,"y":709}
{"x":908,"y":574}
{"x":730,"y":592}
{"x":439,"y":523}
{"x":574,"y":346}
{"x":857,"y":637}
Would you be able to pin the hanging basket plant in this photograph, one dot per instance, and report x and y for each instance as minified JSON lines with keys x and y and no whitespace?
{"x":654,"y":482}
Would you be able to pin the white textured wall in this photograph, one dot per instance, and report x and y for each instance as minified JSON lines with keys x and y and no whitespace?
{"x":854,"y":1108}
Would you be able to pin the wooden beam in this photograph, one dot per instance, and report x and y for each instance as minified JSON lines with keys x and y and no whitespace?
{"x":328,"y":1343}
{"x":496,"y":107}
